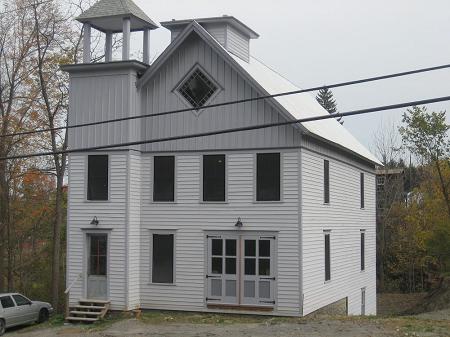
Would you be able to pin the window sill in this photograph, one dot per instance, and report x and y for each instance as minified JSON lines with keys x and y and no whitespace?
{"x":97,"y":201}
{"x":162,"y":284}
{"x":327,"y":282}
{"x":164,"y":202}
{"x":213,"y":202}
{"x":268,"y":201}
{"x":327,"y":204}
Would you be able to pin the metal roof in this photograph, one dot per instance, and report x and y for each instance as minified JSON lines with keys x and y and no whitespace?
{"x":107,"y":15}
{"x":231,"y":20}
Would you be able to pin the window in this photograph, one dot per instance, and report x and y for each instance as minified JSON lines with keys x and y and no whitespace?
{"x":197,"y":89}
{"x":363,"y":301}
{"x":162,"y":258}
{"x":214,"y":178}
{"x":268,"y":177}
{"x":7,"y":302}
{"x":20,"y":300}
{"x":326,"y":181}
{"x":363,"y":248}
{"x":362,"y":189}
{"x":164,"y":178}
{"x":98,"y":255}
{"x":97,"y":177}
{"x":327,"y":257}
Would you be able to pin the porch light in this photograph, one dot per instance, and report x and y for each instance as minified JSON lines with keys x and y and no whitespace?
{"x":95,"y":221}
{"x":239,"y":223}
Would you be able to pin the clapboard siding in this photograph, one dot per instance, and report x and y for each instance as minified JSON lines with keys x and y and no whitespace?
{"x":345,"y":219}
{"x":238,"y":44}
{"x":112,"y":217}
{"x":158,"y":96}
{"x":190,"y":219}
{"x":218,"y":31}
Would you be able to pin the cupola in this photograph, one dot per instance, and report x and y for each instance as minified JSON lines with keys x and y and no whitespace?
{"x":231,"y":33}
{"x":116,"y":16}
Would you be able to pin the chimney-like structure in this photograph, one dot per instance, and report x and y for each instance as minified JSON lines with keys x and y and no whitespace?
{"x":112,"y":17}
{"x":231,"y":33}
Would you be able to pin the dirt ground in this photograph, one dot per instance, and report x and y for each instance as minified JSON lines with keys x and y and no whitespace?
{"x":390,"y":322}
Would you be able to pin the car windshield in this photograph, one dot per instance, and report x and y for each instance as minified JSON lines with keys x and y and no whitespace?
{"x":6,"y":302}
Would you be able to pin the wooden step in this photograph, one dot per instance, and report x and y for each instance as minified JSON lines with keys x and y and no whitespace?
{"x":87,"y":313}
{"x":87,"y":307}
{"x":81,"y":319}
{"x":86,"y":300}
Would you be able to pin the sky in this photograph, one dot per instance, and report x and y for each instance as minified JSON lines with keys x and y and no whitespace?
{"x":318,"y":42}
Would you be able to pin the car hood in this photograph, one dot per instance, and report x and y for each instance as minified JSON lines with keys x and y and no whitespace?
{"x":42,"y":304}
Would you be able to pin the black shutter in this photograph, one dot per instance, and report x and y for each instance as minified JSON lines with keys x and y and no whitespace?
{"x":162,"y":262}
{"x":214,"y":178}
{"x":97,"y":188}
{"x":268,"y":177}
{"x":363,"y":253}
{"x":326,"y":181}
{"x":327,"y":257}
{"x":362,"y":190}
{"x":164,"y":178}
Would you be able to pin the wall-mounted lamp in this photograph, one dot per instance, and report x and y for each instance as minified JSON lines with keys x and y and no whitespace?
{"x":94,"y":221}
{"x":239,"y":223}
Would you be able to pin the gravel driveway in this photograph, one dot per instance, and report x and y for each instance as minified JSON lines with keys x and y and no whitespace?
{"x":344,"y":327}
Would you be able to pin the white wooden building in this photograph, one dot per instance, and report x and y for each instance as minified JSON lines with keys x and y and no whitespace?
{"x":278,"y":220}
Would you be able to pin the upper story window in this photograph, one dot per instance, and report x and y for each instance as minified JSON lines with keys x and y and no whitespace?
{"x":197,"y":89}
{"x":268,"y":177}
{"x":362,"y":190}
{"x":164,"y":178}
{"x":214,"y":177}
{"x":326,"y":181}
{"x":97,"y":184}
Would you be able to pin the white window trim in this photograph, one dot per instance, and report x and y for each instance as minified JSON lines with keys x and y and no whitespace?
{"x":185,"y":77}
{"x":86,"y":175}
{"x":152,"y":178}
{"x":255,"y":178}
{"x":201,"y":201}
{"x":162,"y":232}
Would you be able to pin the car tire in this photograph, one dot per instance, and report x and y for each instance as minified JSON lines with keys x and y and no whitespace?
{"x":43,"y":316}
{"x":2,"y":327}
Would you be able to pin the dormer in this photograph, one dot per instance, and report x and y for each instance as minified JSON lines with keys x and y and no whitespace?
{"x":231,"y":33}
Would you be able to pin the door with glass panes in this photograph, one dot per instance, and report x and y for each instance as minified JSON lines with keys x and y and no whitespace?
{"x":241,"y":269}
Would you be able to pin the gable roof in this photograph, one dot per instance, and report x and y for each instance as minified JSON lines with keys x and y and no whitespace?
{"x":270,"y":82}
{"x":104,"y":9}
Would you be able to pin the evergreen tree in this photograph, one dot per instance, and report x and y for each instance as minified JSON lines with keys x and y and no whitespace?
{"x":327,"y":101}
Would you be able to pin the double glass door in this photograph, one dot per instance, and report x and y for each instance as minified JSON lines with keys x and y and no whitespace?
{"x":241,"y":269}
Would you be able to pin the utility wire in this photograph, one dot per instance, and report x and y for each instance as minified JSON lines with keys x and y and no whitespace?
{"x":246,"y":100}
{"x":240,"y":129}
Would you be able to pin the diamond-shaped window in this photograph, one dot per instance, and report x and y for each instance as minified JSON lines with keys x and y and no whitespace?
{"x":197,"y":89}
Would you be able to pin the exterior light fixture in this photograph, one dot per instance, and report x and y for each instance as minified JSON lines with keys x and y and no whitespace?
{"x":239,"y":223}
{"x":95,"y":221}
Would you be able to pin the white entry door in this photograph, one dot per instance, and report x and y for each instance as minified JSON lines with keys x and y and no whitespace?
{"x":241,"y":269}
{"x":97,"y":266}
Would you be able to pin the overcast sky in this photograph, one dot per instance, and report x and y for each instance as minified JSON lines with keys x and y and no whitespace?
{"x":317,"y":42}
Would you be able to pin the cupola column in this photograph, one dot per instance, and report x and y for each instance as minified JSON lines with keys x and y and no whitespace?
{"x":86,"y":43}
{"x":146,"y":47}
{"x":126,"y":39}
{"x":108,"y":46}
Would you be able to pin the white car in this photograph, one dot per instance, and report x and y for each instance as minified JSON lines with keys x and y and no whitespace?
{"x":16,"y":309}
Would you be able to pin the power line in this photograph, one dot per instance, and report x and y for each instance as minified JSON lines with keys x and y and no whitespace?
{"x":240,"y":129}
{"x":246,"y":100}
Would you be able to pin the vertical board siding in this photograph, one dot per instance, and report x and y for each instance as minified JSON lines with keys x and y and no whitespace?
{"x":344,"y":217}
{"x":111,"y":215}
{"x":189,"y":219}
{"x":158,"y":96}
{"x":238,"y":44}
{"x":98,"y":97}
{"x":134,"y":229}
